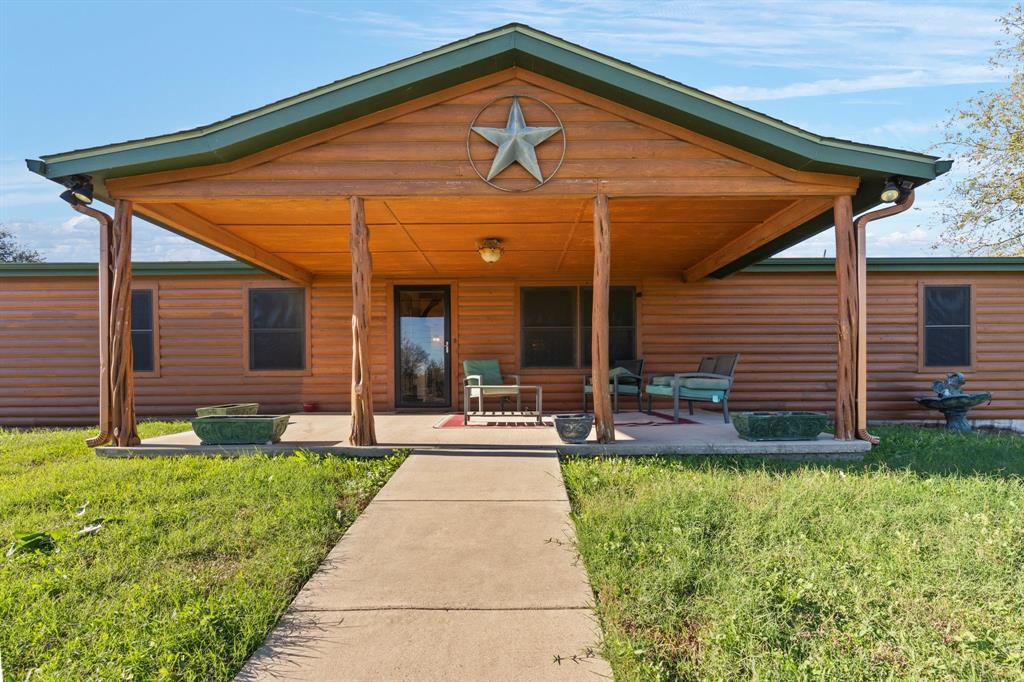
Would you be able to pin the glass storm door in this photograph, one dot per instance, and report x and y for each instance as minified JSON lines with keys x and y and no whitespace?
{"x":422,"y":339}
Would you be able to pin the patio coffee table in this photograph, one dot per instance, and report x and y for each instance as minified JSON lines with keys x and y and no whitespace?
{"x":518,"y":412}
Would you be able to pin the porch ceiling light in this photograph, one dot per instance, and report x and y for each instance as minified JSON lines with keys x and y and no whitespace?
{"x":491,"y":250}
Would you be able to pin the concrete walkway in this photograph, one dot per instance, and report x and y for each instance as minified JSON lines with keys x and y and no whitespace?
{"x":462,"y":568}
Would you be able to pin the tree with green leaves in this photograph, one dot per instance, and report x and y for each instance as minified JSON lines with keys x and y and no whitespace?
{"x":985,"y":213}
{"x":11,"y":252}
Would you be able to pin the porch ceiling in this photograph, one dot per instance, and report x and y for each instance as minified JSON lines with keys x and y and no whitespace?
{"x":438,"y":236}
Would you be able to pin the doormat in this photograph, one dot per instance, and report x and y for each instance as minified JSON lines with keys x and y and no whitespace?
{"x":454,"y":421}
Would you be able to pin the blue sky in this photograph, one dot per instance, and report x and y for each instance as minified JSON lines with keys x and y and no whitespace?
{"x":80,"y":74}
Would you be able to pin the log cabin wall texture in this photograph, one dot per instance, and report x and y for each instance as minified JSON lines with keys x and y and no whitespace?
{"x":782,"y":323}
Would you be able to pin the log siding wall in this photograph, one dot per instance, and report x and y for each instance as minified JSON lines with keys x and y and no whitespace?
{"x":782,"y":323}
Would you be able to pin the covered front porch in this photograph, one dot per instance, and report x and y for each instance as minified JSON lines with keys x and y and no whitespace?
{"x":636,"y":433}
{"x":591,"y":175}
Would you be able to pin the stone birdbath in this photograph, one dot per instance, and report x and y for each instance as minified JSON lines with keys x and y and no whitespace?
{"x":952,"y":402}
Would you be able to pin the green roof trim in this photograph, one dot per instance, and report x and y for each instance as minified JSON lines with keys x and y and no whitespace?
{"x":486,"y":53}
{"x":924,"y":264}
{"x":206,"y":268}
{"x":144,"y":269}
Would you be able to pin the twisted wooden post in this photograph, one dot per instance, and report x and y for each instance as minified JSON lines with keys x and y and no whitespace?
{"x":122,"y":382}
{"x":363,"y":432}
{"x":847,"y":320}
{"x":604,"y":419}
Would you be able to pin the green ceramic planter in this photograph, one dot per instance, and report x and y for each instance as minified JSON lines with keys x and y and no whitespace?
{"x":253,"y":429}
{"x":779,"y":425}
{"x":228,"y":409}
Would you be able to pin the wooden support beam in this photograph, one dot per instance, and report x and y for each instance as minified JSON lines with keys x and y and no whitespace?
{"x":191,"y":225}
{"x":604,"y":419}
{"x":773,"y":227}
{"x":848,"y":319}
{"x":363,"y":432}
{"x":124,"y":431}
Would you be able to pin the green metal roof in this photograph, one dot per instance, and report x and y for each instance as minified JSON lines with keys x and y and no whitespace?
{"x":489,"y":52}
{"x":201,"y":268}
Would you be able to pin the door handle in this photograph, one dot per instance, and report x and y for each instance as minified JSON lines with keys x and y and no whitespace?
{"x":446,"y":347}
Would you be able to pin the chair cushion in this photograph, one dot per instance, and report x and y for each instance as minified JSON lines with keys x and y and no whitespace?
{"x":489,"y":370}
{"x":704,"y":394}
{"x":709,"y":383}
{"x":497,"y":390}
{"x":624,"y":389}
{"x":619,"y":372}
{"x":705,"y":382}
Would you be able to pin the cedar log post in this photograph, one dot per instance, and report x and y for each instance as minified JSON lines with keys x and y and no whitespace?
{"x":604,"y":420}
{"x":122,"y":383}
{"x":363,"y":432}
{"x":848,"y":318}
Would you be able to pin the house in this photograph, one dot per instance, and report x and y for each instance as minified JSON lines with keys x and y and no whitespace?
{"x":485,"y":199}
{"x":192,"y":337}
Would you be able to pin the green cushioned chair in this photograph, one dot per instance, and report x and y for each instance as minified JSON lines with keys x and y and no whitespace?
{"x":711,"y":383}
{"x":487,"y":374}
{"x":624,"y":378}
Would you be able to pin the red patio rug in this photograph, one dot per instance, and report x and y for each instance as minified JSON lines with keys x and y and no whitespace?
{"x":453,"y":421}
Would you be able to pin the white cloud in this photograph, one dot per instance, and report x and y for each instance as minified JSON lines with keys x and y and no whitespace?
{"x":918,"y":78}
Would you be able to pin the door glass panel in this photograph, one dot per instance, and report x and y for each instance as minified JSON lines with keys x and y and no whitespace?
{"x":422,"y":351}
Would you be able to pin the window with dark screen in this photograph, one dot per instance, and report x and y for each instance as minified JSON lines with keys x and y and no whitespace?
{"x":947,"y":325}
{"x":556,"y":325}
{"x":277,"y":329}
{"x":143,"y":336}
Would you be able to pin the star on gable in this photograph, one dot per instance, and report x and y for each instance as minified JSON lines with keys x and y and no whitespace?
{"x":516,"y":143}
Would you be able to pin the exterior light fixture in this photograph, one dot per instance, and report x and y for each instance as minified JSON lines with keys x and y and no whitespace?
{"x":895,"y":189}
{"x":491,"y":250}
{"x":79,"y":190}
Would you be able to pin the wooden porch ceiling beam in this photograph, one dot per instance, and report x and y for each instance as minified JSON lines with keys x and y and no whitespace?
{"x":192,"y":225}
{"x":775,"y":226}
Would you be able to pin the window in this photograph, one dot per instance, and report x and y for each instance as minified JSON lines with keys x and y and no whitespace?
{"x":277,"y":329}
{"x":947,"y":325}
{"x":143,"y":336}
{"x":556,"y":326}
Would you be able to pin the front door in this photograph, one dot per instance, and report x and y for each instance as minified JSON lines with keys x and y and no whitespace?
{"x":423,"y":346}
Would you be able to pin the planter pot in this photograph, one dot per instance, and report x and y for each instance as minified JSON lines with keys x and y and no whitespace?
{"x":254,"y":429}
{"x":228,"y":409}
{"x":779,"y":425}
{"x":573,"y":428}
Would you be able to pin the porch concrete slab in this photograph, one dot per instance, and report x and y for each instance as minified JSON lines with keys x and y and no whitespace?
{"x":428,"y":646}
{"x":471,"y":474}
{"x":636,"y":433}
{"x":452,"y":555}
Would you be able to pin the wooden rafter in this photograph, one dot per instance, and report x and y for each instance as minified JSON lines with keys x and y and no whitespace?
{"x":192,"y":225}
{"x":772,"y":228}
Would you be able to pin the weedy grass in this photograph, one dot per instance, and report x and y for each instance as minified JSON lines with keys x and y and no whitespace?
{"x":909,"y":565}
{"x":158,"y":568}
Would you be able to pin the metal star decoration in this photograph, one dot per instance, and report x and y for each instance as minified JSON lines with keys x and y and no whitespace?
{"x":516,"y":143}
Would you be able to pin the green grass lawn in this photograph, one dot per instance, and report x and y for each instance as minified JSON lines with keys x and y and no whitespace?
{"x":907,"y":566}
{"x":193,"y":563}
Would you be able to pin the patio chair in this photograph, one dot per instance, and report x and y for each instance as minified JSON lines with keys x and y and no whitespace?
{"x":625,"y":378}
{"x":487,"y":373}
{"x":711,"y":383}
